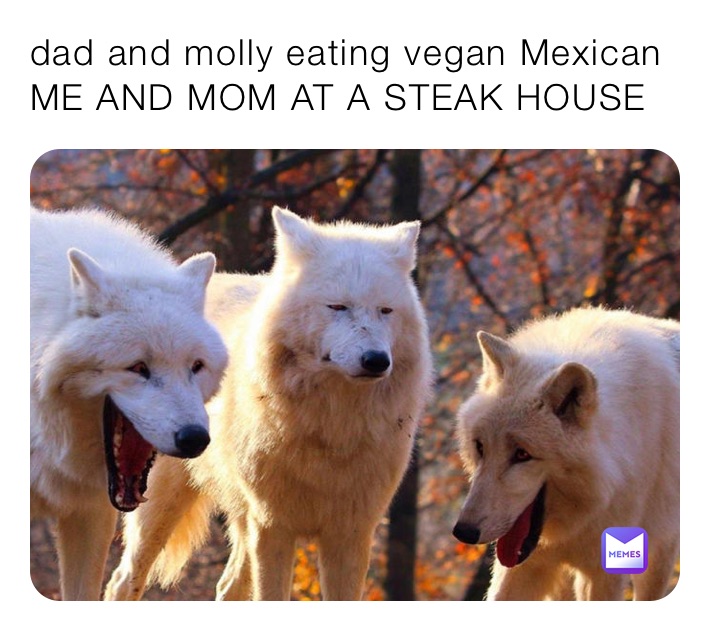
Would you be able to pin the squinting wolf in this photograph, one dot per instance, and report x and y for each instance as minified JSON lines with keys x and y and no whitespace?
{"x":314,"y":425}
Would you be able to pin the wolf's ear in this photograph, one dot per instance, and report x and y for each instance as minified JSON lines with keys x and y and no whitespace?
{"x":498,"y":356}
{"x":198,"y":270}
{"x":571,"y":392}
{"x":405,"y":235}
{"x":89,"y":281}
{"x":295,"y":237}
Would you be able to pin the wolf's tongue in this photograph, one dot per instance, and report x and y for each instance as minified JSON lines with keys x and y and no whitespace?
{"x":134,"y":451}
{"x":509,"y":545}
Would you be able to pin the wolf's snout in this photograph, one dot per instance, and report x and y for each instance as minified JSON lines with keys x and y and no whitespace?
{"x":466,"y":532}
{"x":191,"y":440}
{"x":375,"y":362}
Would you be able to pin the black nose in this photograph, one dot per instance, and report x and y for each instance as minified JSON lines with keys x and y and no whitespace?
{"x":375,"y":362}
{"x":466,"y":533}
{"x":191,"y":440}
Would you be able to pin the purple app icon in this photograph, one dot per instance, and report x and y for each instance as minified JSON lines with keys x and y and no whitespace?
{"x":624,"y":550}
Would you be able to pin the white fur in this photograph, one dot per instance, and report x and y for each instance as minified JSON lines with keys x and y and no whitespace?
{"x":103,"y":297}
{"x":303,"y":445}
{"x":610,"y":457}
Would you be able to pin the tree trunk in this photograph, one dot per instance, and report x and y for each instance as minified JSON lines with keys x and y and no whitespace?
{"x":481,"y":579}
{"x":402,"y":534}
{"x":234,"y":247}
{"x":615,"y":251}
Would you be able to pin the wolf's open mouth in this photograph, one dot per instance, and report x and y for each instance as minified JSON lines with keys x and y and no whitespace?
{"x":128,"y":459}
{"x":516,"y":545}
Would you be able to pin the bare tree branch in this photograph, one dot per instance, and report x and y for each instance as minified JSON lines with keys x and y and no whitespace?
{"x":543,"y":271}
{"x":613,"y":257}
{"x":461,"y":249}
{"x":182,"y":154}
{"x":128,"y":186}
{"x":218,"y":202}
{"x":471,"y":190}
{"x":359,"y":189}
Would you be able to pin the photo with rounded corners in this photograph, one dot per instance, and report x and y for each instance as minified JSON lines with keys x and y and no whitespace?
{"x":355,"y":374}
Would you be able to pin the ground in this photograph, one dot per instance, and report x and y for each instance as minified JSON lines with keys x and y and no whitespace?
{"x":199,"y":577}
{"x":198,"y":583}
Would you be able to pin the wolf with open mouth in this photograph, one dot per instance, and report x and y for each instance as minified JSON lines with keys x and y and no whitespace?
{"x":122,"y":363}
{"x":573,"y":428}
{"x":313,"y":428}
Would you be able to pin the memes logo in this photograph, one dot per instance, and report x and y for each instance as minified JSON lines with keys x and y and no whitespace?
{"x":624,"y":550}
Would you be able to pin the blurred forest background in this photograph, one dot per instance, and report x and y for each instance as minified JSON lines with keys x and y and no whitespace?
{"x":506,"y":236}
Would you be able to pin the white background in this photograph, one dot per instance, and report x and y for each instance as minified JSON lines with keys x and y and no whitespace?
{"x":675,"y":101}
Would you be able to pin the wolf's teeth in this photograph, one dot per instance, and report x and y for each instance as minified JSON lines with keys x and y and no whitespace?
{"x":138,"y":495}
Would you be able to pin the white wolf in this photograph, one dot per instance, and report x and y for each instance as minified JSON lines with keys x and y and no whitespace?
{"x":122,"y":361}
{"x":574,"y":428}
{"x":313,"y":427}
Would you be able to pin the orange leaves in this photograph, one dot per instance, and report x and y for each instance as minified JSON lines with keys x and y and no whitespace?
{"x":461,"y":377}
{"x":429,"y":584}
{"x":469,"y":553}
{"x":448,"y":575}
{"x":590,"y":289}
{"x":456,"y":375}
{"x":641,"y":249}
{"x":305,"y":574}
{"x":374,"y":592}
{"x":345,"y":186}
{"x":168,"y":162}
{"x":462,"y":258}
{"x":428,"y":420}
{"x":219,"y":180}
{"x":527,"y":176}
{"x":444,"y":342}
{"x":306,"y":582}
{"x":295,"y":177}
{"x":517,"y":240}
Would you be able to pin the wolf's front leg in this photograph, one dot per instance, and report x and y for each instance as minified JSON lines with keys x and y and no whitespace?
{"x":235,"y":582}
{"x":83,"y":541}
{"x":148,"y":529}
{"x":344,"y":559}
{"x":271,"y":552}
{"x":128,"y":581}
{"x":535,"y":579}
{"x":599,"y":585}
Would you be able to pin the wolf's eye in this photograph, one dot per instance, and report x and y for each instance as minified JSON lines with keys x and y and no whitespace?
{"x":197,"y":366}
{"x":479,"y":447}
{"x":338,"y":307}
{"x":140,"y":368}
{"x":521,"y":455}
{"x":385,"y":310}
